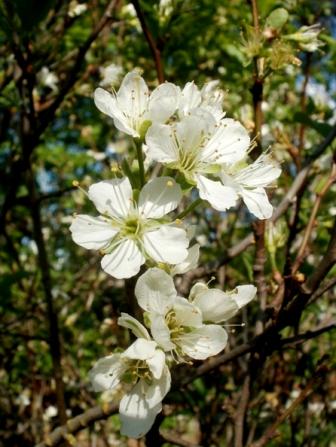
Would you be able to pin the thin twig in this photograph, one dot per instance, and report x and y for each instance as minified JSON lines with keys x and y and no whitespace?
{"x":78,"y":423}
{"x":241,"y":412}
{"x":156,"y":53}
{"x":313,"y":383}
{"x":311,"y":223}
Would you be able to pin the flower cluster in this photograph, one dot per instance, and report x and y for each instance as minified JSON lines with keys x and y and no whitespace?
{"x":186,"y":131}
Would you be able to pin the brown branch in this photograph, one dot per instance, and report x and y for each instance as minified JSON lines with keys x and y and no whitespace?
{"x":97,"y":413}
{"x":303,"y":99}
{"x":317,"y":378}
{"x":54,"y":338}
{"x":46,"y":116}
{"x":311,"y":223}
{"x":156,"y":53}
{"x":175,"y":438}
{"x":78,"y":423}
{"x":241,"y":412}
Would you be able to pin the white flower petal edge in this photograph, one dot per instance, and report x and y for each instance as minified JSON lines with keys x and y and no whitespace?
{"x":244,"y":294}
{"x":155,"y":291}
{"x":112,"y":198}
{"x":257,"y":203}
{"x":189,"y":263}
{"x":167,"y":244}
{"x":159,"y":197}
{"x":139,"y":408}
{"x":92,"y":233}
{"x":219,"y":196}
{"x":106,"y":373}
{"x":204,"y":342}
{"x":163,"y":102}
{"x":218,"y":306}
{"x":133,"y":109}
{"x":131,"y":323}
{"x":125,"y":260}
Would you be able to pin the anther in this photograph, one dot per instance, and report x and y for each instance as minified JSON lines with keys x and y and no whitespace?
{"x":170,"y":183}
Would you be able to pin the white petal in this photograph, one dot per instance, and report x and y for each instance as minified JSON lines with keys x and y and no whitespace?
{"x":163,"y":102}
{"x":124,"y":261}
{"x":228,"y":144}
{"x":158,"y":388}
{"x":160,"y":332}
{"x":157,"y":363}
{"x":161,"y":144}
{"x":108,"y":104}
{"x":106,"y":373}
{"x":190,"y":98}
{"x":155,"y":291}
{"x":112,"y":197}
{"x":134,"y":325}
{"x":159,"y":197}
{"x":260,"y":173}
{"x":219,"y":196}
{"x":136,"y":415}
{"x":132,"y":96}
{"x":197,"y":288}
{"x":186,"y":313}
{"x":141,"y":349}
{"x":257,"y":202}
{"x":189,"y":263}
{"x":244,"y":294}
{"x":92,"y":233}
{"x":204,"y":342}
{"x":167,"y":244}
{"x":191,"y":130}
{"x":216,"y":306}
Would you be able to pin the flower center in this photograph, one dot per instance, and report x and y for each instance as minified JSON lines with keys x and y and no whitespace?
{"x":132,"y":228}
{"x":137,"y":369}
{"x":174,"y":326}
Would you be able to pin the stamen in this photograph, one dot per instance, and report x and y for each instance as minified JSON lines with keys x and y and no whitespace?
{"x":76,"y":184}
{"x":213,"y":278}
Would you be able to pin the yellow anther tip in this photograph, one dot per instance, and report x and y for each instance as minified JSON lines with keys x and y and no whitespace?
{"x":75,"y":183}
{"x":170,"y":183}
{"x":178,"y":221}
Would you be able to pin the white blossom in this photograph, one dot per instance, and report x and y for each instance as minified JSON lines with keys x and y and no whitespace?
{"x":217,"y":306}
{"x":183,"y":327}
{"x":245,"y":181}
{"x":48,"y":78}
{"x":128,"y":232}
{"x":110,"y":75}
{"x":142,"y":373}
{"x":210,"y":155}
{"x":209,"y":98}
{"x":133,"y":109}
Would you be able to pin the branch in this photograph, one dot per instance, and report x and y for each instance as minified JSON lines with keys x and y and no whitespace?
{"x":98,"y":413}
{"x":317,"y":378}
{"x":151,"y":42}
{"x":47,"y":115}
{"x":74,"y":425}
{"x":302,"y":250}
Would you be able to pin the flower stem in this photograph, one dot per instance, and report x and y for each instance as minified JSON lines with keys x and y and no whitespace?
{"x":138,"y":145}
{"x":189,"y":209}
